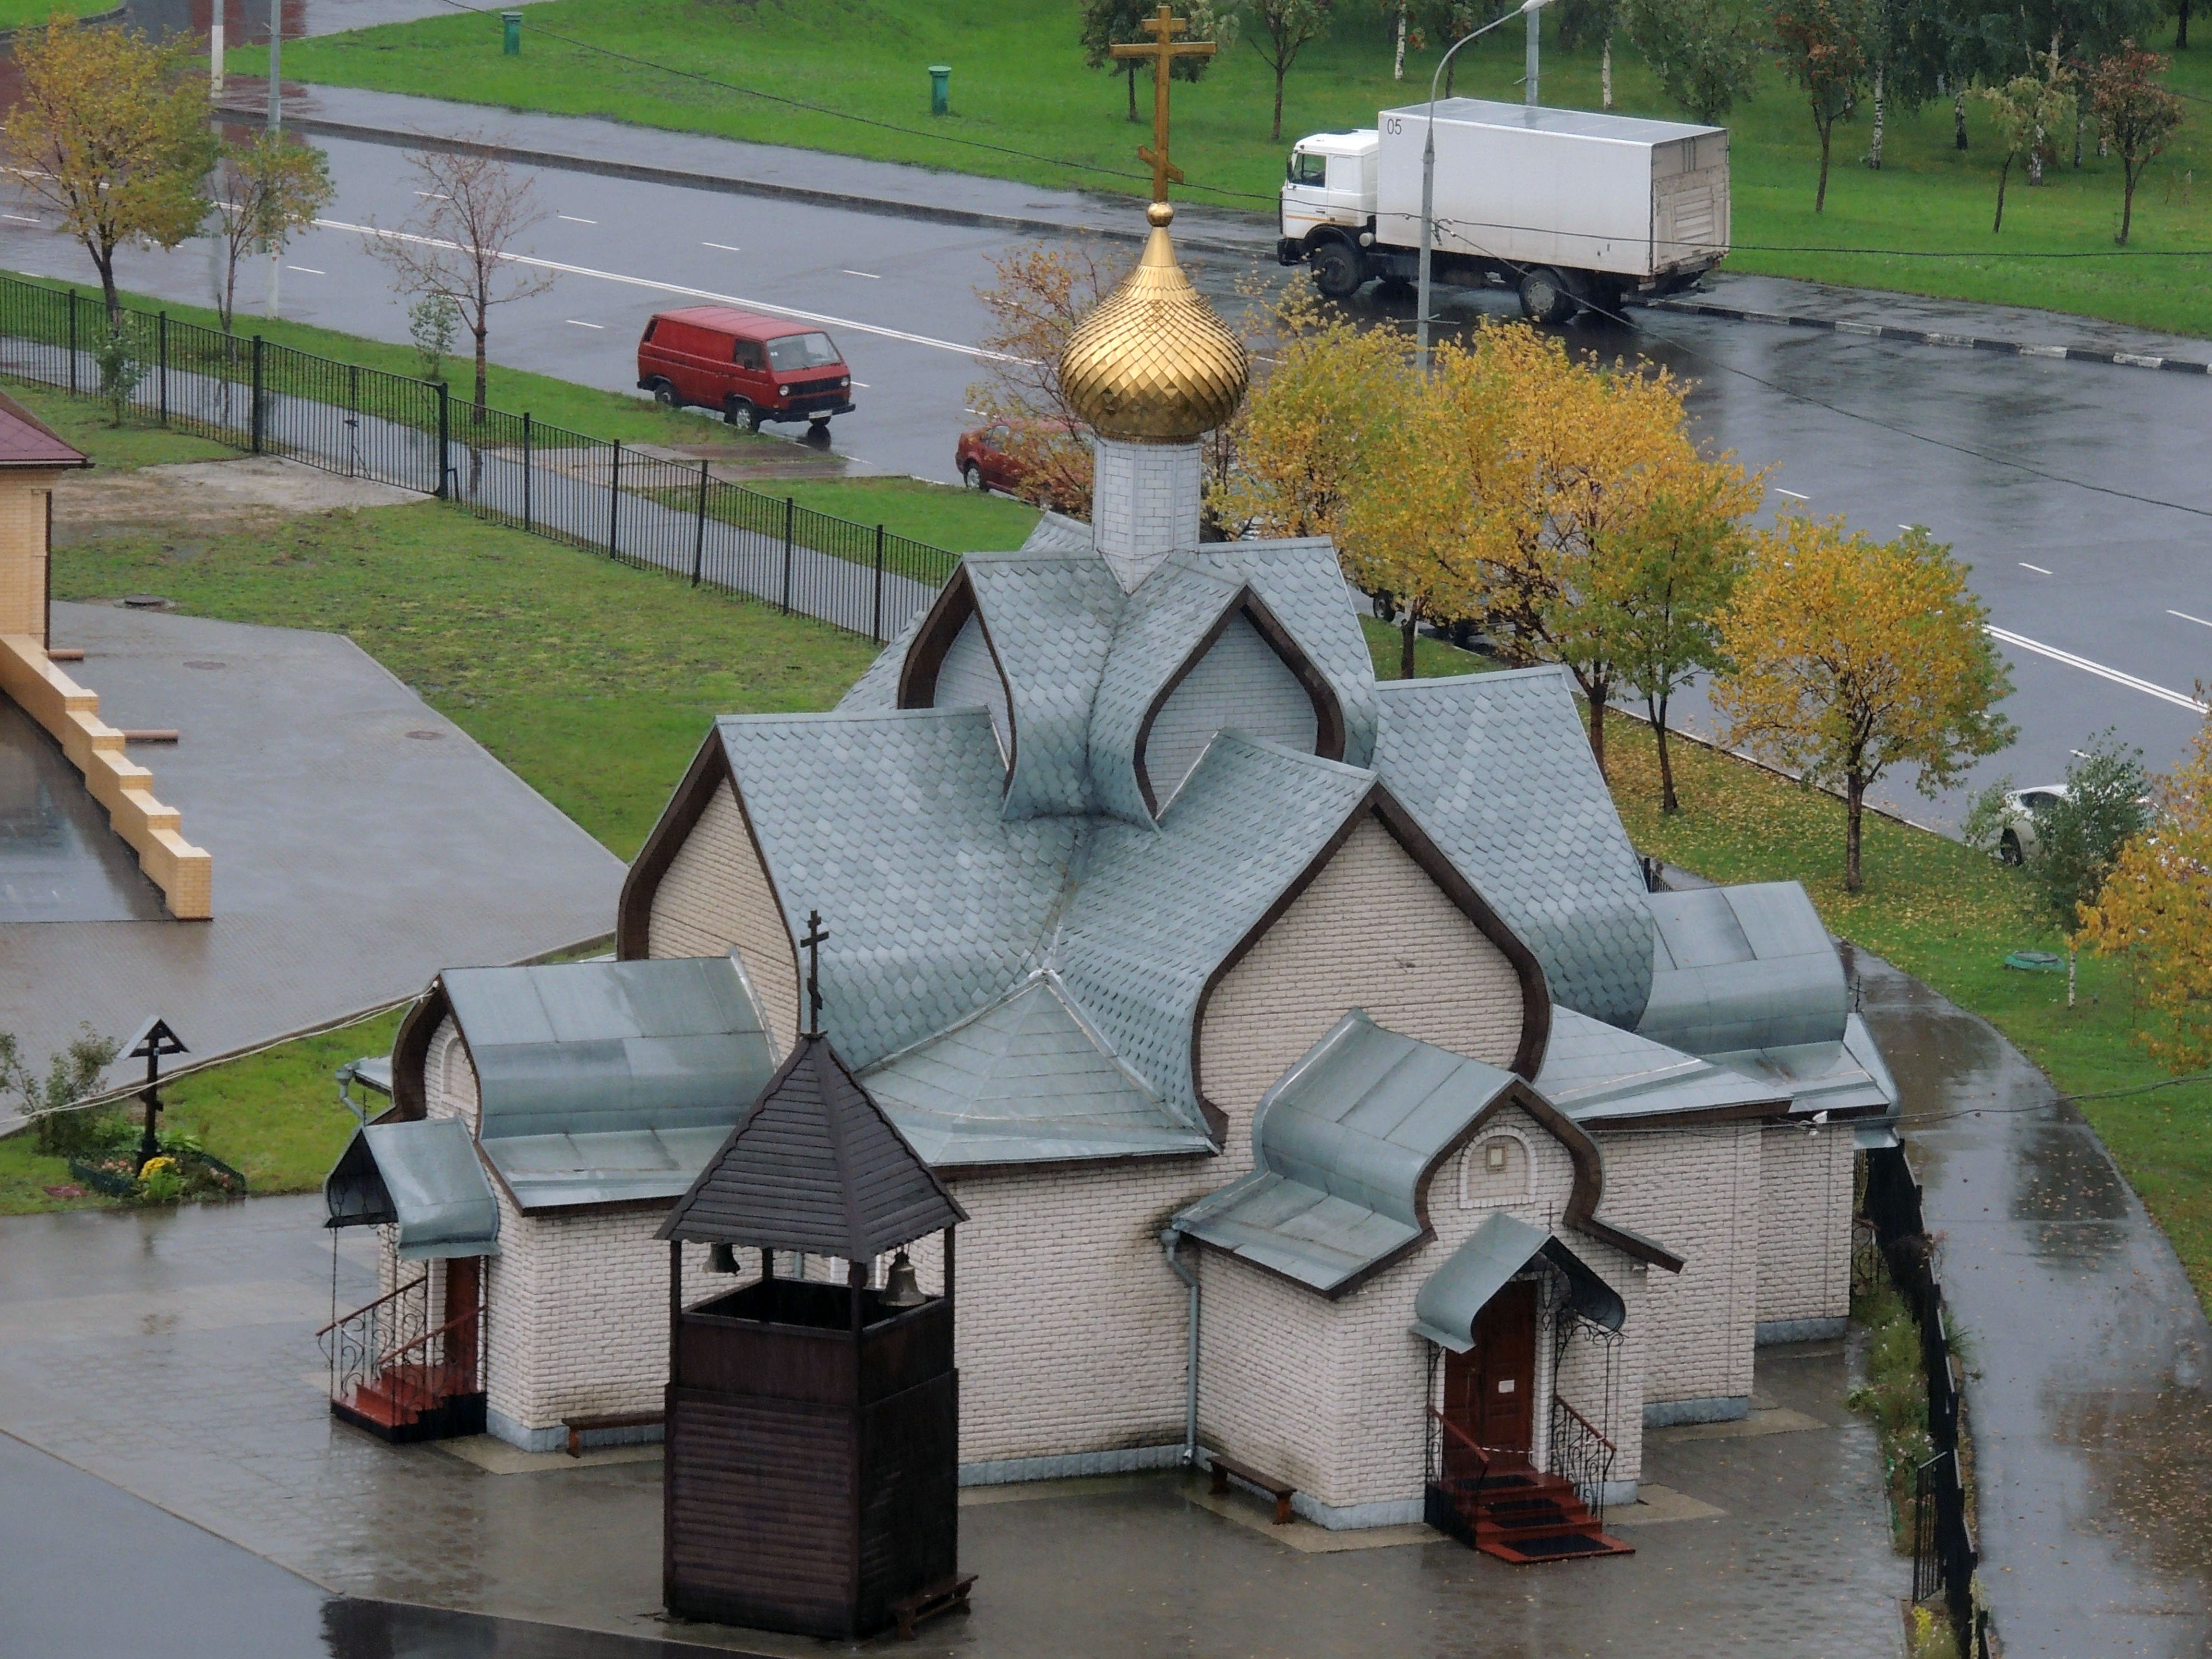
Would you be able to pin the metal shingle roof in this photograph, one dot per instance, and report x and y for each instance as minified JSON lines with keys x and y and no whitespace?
{"x":1748,"y":967}
{"x":1024,"y":1081}
{"x":890,"y":825}
{"x":1155,"y":913}
{"x":1051,"y":618}
{"x":1341,"y":1146}
{"x":422,"y":1177}
{"x":1160,"y":625}
{"x":814,"y":1166}
{"x":1497,"y":771}
{"x":585,"y":1048}
{"x":1300,"y":580}
{"x":1593,"y":1072}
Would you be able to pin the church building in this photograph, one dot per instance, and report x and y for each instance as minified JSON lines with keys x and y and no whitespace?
{"x":1328,"y":1094}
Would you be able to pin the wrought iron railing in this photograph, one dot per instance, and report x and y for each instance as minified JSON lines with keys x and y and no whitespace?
{"x":1457,"y":1461}
{"x":427,"y":1370}
{"x":1580,"y":1454}
{"x":356,"y":1343}
{"x":1945,"y":1555}
{"x":645,"y":510}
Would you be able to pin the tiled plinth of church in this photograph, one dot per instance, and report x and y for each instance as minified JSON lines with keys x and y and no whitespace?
{"x":207,"y":1313}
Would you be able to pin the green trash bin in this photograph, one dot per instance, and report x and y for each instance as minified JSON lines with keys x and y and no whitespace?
{"x":513,"y":21}
{"x":941,"y":88}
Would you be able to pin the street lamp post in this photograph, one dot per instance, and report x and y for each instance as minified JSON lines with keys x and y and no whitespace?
{"x":1528,"y":9}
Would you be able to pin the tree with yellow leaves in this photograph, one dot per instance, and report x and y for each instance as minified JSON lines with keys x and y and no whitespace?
{"x":1586,"y":526}
{"x":2156,"y":907}
{"x":1850,"y":656}
{"x":1416,"y":500}
{"x":110,"y":132}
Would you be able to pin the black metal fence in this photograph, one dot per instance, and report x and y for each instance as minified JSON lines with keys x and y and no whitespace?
{"x":645,"y":509}
{"x":1944,"y":1556}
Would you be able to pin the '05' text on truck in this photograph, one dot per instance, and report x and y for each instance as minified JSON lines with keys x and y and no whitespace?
{"x":1571,"y":208}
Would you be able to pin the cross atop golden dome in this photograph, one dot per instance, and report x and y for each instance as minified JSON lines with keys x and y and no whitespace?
{"x":1153,"y":364}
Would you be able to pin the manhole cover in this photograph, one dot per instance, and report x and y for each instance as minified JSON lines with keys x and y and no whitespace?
{"x":426,"y":737}
{"x":145,"y":601}
{"x":203,"y":663}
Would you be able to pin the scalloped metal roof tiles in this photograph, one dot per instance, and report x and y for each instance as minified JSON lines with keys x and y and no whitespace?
{"x":1051,"y":617}
{"x":1497,"y":771}
{"x":1161,"y":624}
{"x":890,"y":825}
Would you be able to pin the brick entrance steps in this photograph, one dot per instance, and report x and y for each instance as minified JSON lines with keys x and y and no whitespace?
{"x":1523,"y":1517}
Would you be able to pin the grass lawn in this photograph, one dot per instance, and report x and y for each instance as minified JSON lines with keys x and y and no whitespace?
{"x":944,"y":515}
{"x":1950,"y":915}
{"x":16,"y":14}
{"x":1433,"y":658}
{"x":1024,"y":89}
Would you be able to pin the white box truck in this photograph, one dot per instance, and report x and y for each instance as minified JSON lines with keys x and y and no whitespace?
{"x":1571,"y":208}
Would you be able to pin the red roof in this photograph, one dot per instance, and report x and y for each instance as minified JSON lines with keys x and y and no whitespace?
{"x":26,"y":441}
{"x":728,"y":320}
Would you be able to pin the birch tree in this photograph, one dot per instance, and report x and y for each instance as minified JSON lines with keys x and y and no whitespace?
{"x":1850,"y":657}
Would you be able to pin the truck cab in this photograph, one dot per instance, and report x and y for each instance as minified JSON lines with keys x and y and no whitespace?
{"x":1329,"y":209}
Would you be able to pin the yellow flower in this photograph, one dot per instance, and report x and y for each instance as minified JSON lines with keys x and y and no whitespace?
{"x":158,"y":1166}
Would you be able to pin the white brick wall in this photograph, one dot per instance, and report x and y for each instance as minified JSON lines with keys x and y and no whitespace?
{"x":1697,"y":1191}
{"x":969,"y":675}
{"x":1331,"y":1396}
{"x":449,"y":1081}
{"x":1372,"y":931}
{"x":1144,"y":505}
{"x":1071,"y":1324}
{"x":1805,"y":1224}
{"x":714,"y":897}
{"x":1241,"y":682}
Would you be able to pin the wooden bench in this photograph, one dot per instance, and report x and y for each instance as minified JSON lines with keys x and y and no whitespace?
{"x":578,"y":1427}
{"x":945,"y":1596}
{"x":1281,"y":1491}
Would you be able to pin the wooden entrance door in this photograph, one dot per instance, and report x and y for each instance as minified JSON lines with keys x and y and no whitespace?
{"x":1491,"y":1390}
{"x":464,"y":1301}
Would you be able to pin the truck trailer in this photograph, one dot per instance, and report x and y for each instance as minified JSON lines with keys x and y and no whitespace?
{"x":1571,"y":208}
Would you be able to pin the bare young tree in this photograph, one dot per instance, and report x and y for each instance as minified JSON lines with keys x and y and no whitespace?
{"x":1036,"y":297}
{"x":273,"y":188}
{"x":458,"y":242}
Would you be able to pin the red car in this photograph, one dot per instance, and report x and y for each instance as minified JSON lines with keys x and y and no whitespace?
{"x":986,"y":456}
{"x":752,"y":369}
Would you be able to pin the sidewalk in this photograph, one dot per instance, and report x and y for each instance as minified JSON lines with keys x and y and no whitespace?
{"x":2085,"y":1347}
{"x":590,"y":144}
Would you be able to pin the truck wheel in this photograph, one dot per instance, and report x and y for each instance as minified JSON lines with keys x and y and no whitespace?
{"x":665,"y":395}
{"x":1544,"y":295}
{"x":1337,"y":270}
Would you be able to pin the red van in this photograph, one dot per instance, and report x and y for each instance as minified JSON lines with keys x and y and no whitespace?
{"x":752,"y":367}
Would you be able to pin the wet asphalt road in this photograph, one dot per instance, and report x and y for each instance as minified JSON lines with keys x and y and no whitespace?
{"x":2076,"y":490}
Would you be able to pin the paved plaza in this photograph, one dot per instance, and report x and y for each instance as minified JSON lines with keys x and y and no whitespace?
{"x":171,"y":1356}
{"x":361,"y":841}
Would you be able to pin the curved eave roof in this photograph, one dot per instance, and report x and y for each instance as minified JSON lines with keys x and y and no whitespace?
{"x":1497,"y":771}
{"x":1051,"y":618}
{"x":1596,"y":1073}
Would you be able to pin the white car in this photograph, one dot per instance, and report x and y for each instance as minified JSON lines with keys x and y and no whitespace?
{"x":2017,"y":844}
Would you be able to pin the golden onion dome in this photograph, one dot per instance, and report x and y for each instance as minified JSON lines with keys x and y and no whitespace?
{"x":1153,"y":364}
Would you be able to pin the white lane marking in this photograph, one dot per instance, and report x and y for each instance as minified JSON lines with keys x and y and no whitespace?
{"x":1791,"y":493}
{"x":573,"y":220}
{"x":870,"y":275}
{"x":564,"y":269}
{"x":573,"y":323}
{"x":433,"y":196}
{"x":22,"y":219}
{"x":2148,"y":687}
{"x":2185,"y":617}
{"x":722,"y":248}
{"x":864,"y":386}
{"x":308,"y":269}
{"x":1908,"y":526}
{"x":2037,"y":568}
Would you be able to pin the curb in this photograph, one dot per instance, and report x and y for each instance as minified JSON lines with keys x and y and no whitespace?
{"x":1934,"y":337}
{"x":852,"y":202}
{"x":90,"y":19}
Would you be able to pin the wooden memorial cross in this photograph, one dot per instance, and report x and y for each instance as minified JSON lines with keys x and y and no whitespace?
{"x":1163,"y":25}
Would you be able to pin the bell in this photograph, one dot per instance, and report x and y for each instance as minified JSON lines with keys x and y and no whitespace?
{"x":901,"y":1289}
{"x":722,"y":1259}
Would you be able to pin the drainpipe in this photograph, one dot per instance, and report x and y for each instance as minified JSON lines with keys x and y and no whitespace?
{"x":1169,"y":1238}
